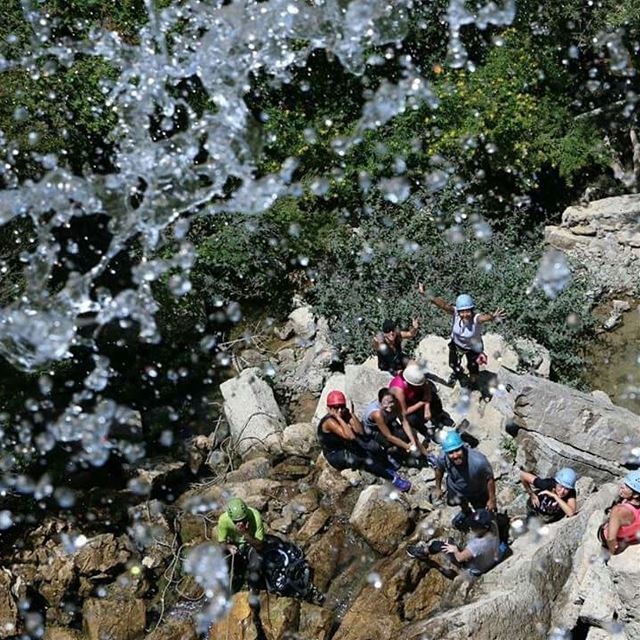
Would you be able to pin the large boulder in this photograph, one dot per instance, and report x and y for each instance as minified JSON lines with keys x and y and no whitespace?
{"x":113,"y":618}
{"x":560,"y":426}
{"x":254,"y":418}
{"x":381,"y":518}
{"x":604,"y":238}
{"x":303,"y":322}
{"x":300,"y":440}
{"x":519,"y":593}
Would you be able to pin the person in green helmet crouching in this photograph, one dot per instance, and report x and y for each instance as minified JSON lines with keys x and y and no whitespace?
{"x":241,"y":530}
{"x":470,"y":481}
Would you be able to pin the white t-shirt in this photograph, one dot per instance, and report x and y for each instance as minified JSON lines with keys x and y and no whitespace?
{"x":467,"y":335}
{"x":485,"y":552}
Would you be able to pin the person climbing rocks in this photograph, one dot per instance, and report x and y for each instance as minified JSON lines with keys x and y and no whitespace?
{"x":622,"y":527}
{"x":466,"y":334}
{"x":241,"y":531}
{"x":470,"y":481}
{"x":551,"y":499}
{"x":382,"y":421}
{"x":388,"y":345}
{"x":341,"y":437}
{"x":419,"y":402}
{"x":481,"y":553}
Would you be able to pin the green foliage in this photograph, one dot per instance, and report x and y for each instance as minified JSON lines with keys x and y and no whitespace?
{"x":375,"y":276}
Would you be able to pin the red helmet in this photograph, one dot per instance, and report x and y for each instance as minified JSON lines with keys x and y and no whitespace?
{"x":336,"y":399}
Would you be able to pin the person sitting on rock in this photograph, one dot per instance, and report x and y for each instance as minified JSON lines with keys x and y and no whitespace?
{"x":470,"y":482}
{"x":241,"y":530}
{"x":481,"y":553}
{"x":341,"y":437}
{"x":382,"y":421}
{"x":388,"y":346}
{"x":419,"y":403}
{"x":622,"y":527}
{"x":466,"y":334}
{"x":551,"y":499}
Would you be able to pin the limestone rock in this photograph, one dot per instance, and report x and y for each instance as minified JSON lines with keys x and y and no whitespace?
{"x":8,"y":606}
{"x":300,"y":440}
{"x":314,"y":524}
{"x":362,"y":385}
{"x":539,"y":567}
{"x":118,"y":618}
{"x":303,"y":322}
{"x":559,"y":424}
{"x":337,"y":382}
{"x":604,"y":238}
{"x":174,"y":629}
{"x":254,"y":418}
{"x":533,"y":357}
{"x":381,"y":518}
{"x":152,"y":533}
{"x":250,"y":470}
{"x":324,"y":555}
{"x":625,"y":575}
{"x":61,"y":633}
{"x":315,"y":622}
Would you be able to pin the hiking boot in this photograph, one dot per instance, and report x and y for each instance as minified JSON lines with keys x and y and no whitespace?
{"x":418,"y":551}
{"x":400,"y":483}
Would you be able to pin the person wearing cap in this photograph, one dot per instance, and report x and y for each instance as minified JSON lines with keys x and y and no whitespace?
{"x":622,"y":527}
{"x":551,"y":499}
{"x":466,"y":334}
{"x":388,"y":345}
{"x":419,"y":402}
{"x":241,"y":531}
{"x":345,"y":446}
{"x":470,"y":482}
{"x":481,"y":553}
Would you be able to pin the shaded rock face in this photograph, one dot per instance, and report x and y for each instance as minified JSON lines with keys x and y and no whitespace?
{"x":8,"y":607}
{"x":604,"y":238}
{"x":119,"y":618}
{"x":254,"y":418}
{"x":565,"y":427}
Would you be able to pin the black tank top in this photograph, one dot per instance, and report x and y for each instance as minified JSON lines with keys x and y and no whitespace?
{"x":330,"y":441}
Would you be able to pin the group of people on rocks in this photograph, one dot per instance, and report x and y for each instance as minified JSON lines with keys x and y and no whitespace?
{"x":398,"y":428}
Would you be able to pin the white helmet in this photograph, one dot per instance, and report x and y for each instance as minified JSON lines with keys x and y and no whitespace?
{"x":414,"y":375}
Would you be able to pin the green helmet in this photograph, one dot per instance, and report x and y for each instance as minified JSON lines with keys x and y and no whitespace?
{"x":237,"y":510}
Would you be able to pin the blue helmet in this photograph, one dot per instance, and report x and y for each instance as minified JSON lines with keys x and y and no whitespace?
{"x":632,"y":480}
{"x":464,"y":301}
{"x":452,"y":442}
{"x":567,"y":478}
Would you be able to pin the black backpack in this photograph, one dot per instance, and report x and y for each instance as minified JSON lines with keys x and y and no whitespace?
{"x":285,"y":569}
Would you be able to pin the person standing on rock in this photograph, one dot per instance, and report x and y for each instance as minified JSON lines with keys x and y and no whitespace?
{"x":551,"y":499}
{"x":341,"y":437}
{"x":420,"y":405}
{"x":388,"y":346}
{"x":470,"y":482}
{"x":382,"y":421}
{"x":623,"y":524}
{"x":466,"y":334}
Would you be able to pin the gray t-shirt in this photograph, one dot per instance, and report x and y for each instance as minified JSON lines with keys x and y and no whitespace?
{"x":470,"y":478}
{"x":485,"y":552}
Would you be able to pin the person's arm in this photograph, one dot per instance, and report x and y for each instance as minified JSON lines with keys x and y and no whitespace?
{"x":491,"y":490}
{"x":337,"y":425}
{"x":618,"y":518}
{"x":498,"y":314}
{"x":411,"y":333}
{"x":378,"y":339}
{"x":355,"y":424}
{"x":253,"y":540}
{"x":568,"y":506}
{"x":461,"y":556}
{"x":384,"y":430}
{"x":527,"y":480}
{"x":442,"y":304}
{"x":438,"y":480}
